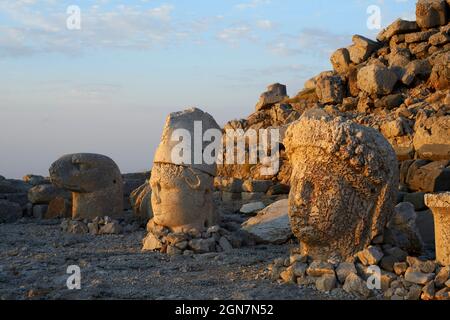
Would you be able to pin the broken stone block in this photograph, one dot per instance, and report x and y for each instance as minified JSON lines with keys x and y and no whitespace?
{"x":431,"y":13}
{"x":271,"y":225}
{"x":442,"y":277}
{"x":299,"y":269}
{"x":251,"y":208}
{"x":434,"y":152}
{"x":319,"y":268}
{"x":415,"y":69}
{"x":341,"y":61}
{"x":356,"y":286}
{"x":404,"y":229}
{"x":440,"y":74}
{"x":419,"y":36}
{"x":428,"y":291}
{"x":288,"y":275}
{"x":370,"y":256}
{"x":418,"y":277}
{"x":393,"y":128}
{"x":398,"y":27}
{"x":439,"y":39}
{"x":362,"y":49}
{"x":151,"y":243}
{"x":275,"y":93}
{"x":443,"y":294}
{"x":344,"y":269}
{"x":326,"y":283}
{"x":111,"y":228}
{"x":400,"y":268}
{"x":390,"y":102}
{"x":202,"y":245}
{"x":387,"y":263}
{"x":376,"y":79}
{"x":330,"y":89}
{"x":432,"y":177}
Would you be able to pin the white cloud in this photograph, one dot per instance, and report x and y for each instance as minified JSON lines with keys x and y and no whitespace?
{"x":310,"y":41}
{"x":234,"y":35}
{"x":251,"y":4}
{"x":265,"y":24}
{"x":123,"y":26}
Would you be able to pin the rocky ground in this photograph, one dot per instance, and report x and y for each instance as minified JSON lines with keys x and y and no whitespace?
{"x":35,"y":254}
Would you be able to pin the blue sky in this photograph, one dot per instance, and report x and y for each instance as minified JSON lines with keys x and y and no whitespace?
{"x":108,"y":87}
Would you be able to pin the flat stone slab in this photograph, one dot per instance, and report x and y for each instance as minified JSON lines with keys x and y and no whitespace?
{"x":272,"y":224}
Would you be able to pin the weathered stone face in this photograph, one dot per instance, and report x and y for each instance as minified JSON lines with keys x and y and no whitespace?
{"x":343,"y":185}
{"x":95,"y":182}
{"x":182,"y":198}
{"x":182,"y":193}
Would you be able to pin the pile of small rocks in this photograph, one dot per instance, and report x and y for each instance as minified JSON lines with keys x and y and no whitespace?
{"x":402,"y":277}
{"x":214,"y":239}
{"x":99,"y":226}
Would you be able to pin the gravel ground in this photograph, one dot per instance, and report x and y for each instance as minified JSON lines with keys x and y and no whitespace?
{"x":34,"y":256}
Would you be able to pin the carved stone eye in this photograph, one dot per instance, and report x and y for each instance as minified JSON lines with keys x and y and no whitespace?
{"x":156,"y":192}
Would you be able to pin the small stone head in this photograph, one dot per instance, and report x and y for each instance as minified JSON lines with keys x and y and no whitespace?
{"x":182,"y":197}
{"x":85,"y":172}
{"x":343,"y":185}
{"x":95,"y":182}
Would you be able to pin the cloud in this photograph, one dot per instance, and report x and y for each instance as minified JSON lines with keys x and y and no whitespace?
{"x":311,"y":41}
{"x":265,"y":24}
{"x":124,"y":26}
{"x":251,"y":4}
{"x":234,"y":35}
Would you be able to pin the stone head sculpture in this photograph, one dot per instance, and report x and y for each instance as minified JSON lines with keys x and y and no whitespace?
{"x":182,"y":198}
{"x":343,"y":185}
{"x":181,"y":186}
{"x":95,"y":182}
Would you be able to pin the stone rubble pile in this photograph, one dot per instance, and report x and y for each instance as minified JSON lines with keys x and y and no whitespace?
{"x":402,"y":277}
{"x":100,"y":225}
{"x":194,"y":241}
{"x":398,"y":84}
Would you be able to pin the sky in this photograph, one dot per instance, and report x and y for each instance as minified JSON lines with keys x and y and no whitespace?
{"x":108,"y":86}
